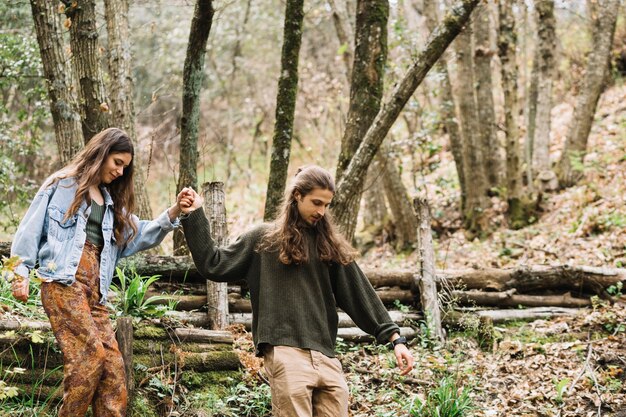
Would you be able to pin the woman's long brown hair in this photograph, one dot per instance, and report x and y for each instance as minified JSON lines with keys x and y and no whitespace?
{"x":86,"y":167}
{"x":286,"y":236}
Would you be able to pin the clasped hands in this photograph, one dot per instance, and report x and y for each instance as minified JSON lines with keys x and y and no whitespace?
{"x":188,"y":200}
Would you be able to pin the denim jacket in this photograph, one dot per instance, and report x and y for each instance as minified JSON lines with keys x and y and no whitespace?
{"x":43,"y":238}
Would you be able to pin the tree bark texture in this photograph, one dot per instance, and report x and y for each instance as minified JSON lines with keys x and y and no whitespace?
{"x":193,"y":75}
{"x":124,"y":336}
{"x":344,"y":33}
{"x":476,"y":180}
{"x":405,"y":224}
{"x":121,"y":91}
{"x":604,"y":17}
{"x":217,"y":292}
{"x":366,"y":91}
{"x":427,"y":286}
{"x":374,"y":205}
{"x":507,"y":42}
{"x":484,"y":97}
{"x":436,"y":45}
{"x":86,"y":61}
{"x":447,"y":105}
{"x":510,"y":299}
{"x":546,"y":65}
{"x":59,"y":80}
{"x":285,"y":107}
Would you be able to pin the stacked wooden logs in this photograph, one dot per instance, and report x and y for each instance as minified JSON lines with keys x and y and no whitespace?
{"x":194,"y":354}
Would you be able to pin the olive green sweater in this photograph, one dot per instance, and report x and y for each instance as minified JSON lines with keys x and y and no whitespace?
{"x":292,"y":305}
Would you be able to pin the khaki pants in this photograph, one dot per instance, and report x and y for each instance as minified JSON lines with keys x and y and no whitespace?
{"x":93,"y":367}
{"x":305,"y":383}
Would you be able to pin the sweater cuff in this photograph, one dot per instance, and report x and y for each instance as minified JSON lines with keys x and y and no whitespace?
{"x":385,"y":331}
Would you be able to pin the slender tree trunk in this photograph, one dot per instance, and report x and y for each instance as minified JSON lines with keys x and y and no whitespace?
{"x":484,"y":97}
{"x":477,"y":185}
{"x":344,"y":33}
{"x":58,"y":74}
{"x":285,"y":107}
{"x":403,"y":215}
{"x":366,"y":90}
{"x":448,"y":112}
{"x":429,"y":296}
{"x":529,"y":84}
{"x":122,"y":91}
{"x":193,"y":75}
{"x":545,"y":63}
{"x":217,"y":292}
{"x":604,"y":15}
{"x":507,"y":41}
{"x":435,"y":47}
{"x":374,"y":206}
{"x":86,"y":61}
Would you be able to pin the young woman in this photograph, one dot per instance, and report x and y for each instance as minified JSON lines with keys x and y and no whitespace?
{"x":78,"y":226}
{"x":299,"y":269}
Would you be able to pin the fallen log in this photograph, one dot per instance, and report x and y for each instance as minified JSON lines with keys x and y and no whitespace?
{"x":510,"y":299}
{"x":498,"y":316}
{"x":354,"y":334}
{"x":197,"y":361}
{"x":15,"y":324}
{"x":529,"y":279}
{"x":185,"y":334}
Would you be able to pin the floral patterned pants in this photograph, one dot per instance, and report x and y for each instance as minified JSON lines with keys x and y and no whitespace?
{"x":93,"y":365}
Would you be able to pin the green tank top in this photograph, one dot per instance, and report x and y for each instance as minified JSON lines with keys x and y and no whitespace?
{"x":94,"y":224}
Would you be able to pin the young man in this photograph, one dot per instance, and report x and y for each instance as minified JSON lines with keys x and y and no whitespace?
{"x":299,"y":269}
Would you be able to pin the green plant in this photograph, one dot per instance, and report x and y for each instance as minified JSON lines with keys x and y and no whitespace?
{"x":401,"y":307}
{"x":132,"y":290}
{"x":449,"y":399}
{"x":615,"y":290}
{"x":560,"y":386}
{"x":249,"y":401}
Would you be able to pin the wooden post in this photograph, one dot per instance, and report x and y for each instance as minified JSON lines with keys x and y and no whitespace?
{"x":124,"y":336}
{"x":427,"y":284}
{"x":217,"y":292}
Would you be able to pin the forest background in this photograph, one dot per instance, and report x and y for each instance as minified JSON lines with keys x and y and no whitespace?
{"x":576,"y":219}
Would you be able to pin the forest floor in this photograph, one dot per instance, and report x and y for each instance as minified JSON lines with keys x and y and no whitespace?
{"x":574,"y":366}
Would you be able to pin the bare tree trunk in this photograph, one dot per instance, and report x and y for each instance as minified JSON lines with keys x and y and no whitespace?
{"x":448,"y":107}
{"x":374,"y":207}
{"x":344,"y":33}
{"x":476,"y":180}
{"x":405,"y":224}
{"x":124,"y":336}
{"x":217,"y":292}
{"x":529,"y":84}
{"x":193,"y":74}
{"x":427,"y":285}
{"x":366,"y":90}
{"x":86,"y":62}
{"x":285,"y":107}
{"x":437,"y":44}
{"x":546,"y":64}
{"x":58,"y":74}
{"x":604,"y":16}
{"x":484,"y":97}
{"x":507,"y":42}
{"x":448,"y":112}
{"x":122,"y":91}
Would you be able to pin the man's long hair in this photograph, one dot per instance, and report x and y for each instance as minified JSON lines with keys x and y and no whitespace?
{"x":86,"y":168}
{"x":286,"y":236}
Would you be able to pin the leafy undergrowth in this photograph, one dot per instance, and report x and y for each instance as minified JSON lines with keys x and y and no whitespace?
{"x":572,"y":366}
